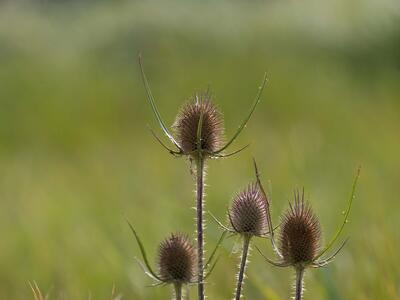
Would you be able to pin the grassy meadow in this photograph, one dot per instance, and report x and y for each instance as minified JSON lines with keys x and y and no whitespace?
{"x":76,"y":156}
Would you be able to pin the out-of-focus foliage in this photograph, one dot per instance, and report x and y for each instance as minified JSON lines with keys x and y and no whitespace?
{"x":76,"y":155}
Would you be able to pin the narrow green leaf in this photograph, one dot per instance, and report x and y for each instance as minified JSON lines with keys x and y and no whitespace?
{"x":346,"y":215}
{"x":246,"y":120}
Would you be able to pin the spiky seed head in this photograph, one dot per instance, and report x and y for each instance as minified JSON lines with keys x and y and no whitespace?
{"x":177,"y":259}
{"x":248,"y":213}
{"x":212,"y":129}
{"x":300,"y":233}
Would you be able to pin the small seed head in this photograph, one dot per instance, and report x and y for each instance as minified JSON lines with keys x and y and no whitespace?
{"x":177,"y":260}
{"x":248,"y":213}
{"x":212,"y":129}
{"x":300,"y":234}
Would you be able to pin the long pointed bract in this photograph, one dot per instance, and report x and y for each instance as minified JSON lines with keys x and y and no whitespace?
{"x":231,"y":153}
{"x":221,"y":239}
{"x":243,"y":124}
{"x":269,"y":219}
{"x":346,"y":215}
{"x":174,"y":153}
{"x":209,"y":271}
{"x":276,"y":264}
{"x":154,"y":106}
{"x":220,"y":224}
{"x":145,"y":270}
{"x":143,"y":252}
{"x":327,"y":260}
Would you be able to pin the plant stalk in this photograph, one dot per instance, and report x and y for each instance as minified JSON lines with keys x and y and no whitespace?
{"x":199,"y":219}
{"x":178,"y":291}
{"x":246,"y":244}
{"x":299,"y":283}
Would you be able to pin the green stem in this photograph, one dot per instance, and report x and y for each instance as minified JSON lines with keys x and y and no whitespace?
{"x":199,"y":219}
{"x":246,"y":244}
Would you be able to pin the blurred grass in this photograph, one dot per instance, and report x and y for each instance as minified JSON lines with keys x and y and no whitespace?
{"x":76,"y":156}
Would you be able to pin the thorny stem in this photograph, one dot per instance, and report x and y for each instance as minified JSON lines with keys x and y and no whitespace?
{"x":299,"y":283}
{"x":246,"y":243}
{"x":199,"y":219}
{"x":178,"y":291}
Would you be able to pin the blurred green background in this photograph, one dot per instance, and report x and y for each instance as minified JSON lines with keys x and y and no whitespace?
{"x":76,"y":155}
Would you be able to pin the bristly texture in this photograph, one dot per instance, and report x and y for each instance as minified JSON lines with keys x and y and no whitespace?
{"x":248,"y":213}
{"x":300,"y":234}
{"x":177,"y":260}
{"x":212,"y":129}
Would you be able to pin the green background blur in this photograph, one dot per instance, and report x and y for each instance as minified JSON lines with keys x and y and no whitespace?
{"x":76,"y":155}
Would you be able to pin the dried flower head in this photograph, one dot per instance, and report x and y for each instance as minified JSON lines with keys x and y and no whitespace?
{"x":199,"y":112}
{"x":199,"y":126}
{"x":248,"y":213}
{"x":300,"y":236}
{"x":300,"y":233}
{"x":177,"y":260}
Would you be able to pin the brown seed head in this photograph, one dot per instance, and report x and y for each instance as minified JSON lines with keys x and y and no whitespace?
{"x":186,"y":124}
{"x":300,"y":233}
{"x":177,"y":259}
{"x":248,"y":213}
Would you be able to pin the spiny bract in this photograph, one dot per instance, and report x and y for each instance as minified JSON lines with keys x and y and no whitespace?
{"x":248,"y":213}
{"x":212,"y":129}
{"x":300,"y":234}
{"x":177,"y":259}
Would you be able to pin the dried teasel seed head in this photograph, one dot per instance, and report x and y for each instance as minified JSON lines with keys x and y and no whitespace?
{"x":300,"y":234}
{"x":248,"y":213}
{"x":212,"y":129}
{"x":177,"y":259}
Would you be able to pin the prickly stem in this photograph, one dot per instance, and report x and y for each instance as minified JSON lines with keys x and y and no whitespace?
{"x":178,"y":291}
{"x":199,"y":220}
{"x":246,"y":244}
{"x":299,"y":283}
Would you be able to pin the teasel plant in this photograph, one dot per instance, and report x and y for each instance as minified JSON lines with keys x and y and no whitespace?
{"x":249,"y":216}
{"x":177,"y":262}
{"x":199,"y":135}
{"x":300,"y":239}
